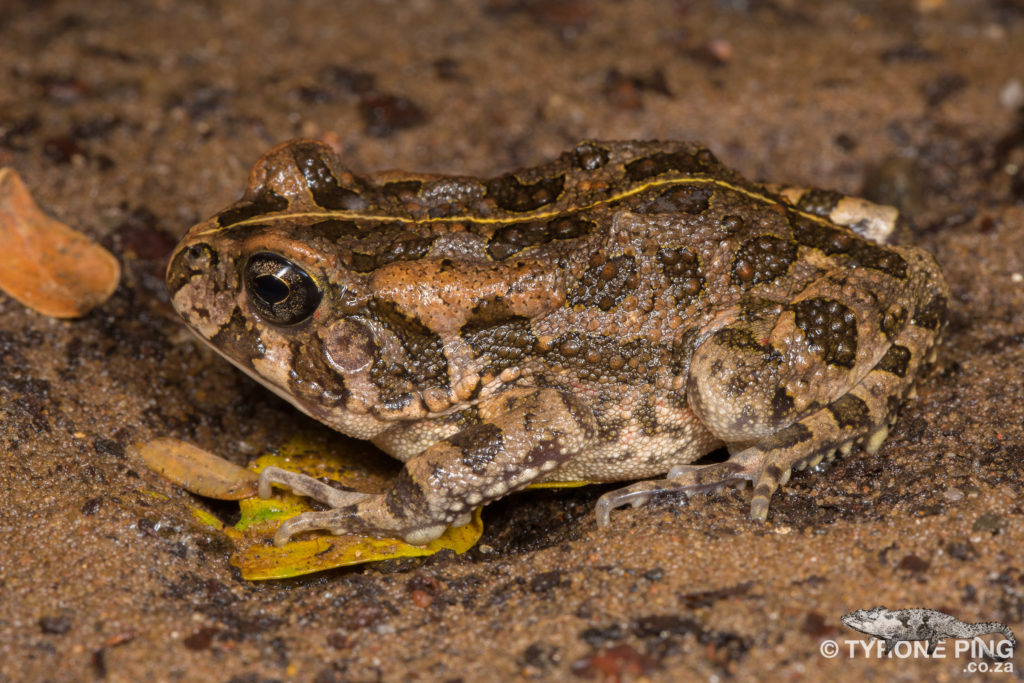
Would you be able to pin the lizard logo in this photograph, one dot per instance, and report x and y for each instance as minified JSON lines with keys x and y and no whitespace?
{"x":894,"y":626}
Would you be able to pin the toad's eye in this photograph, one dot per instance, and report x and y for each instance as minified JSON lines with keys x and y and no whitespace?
{"x":280,"y":291}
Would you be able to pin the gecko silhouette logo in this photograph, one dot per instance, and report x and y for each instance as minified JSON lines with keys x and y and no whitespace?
{"x":930,"y":627}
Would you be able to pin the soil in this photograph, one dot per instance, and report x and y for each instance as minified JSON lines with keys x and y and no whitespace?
{"x":131,"y":121}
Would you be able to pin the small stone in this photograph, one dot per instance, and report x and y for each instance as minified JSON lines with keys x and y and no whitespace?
{"x":953,"y":494}
{"x":1012,"y":95}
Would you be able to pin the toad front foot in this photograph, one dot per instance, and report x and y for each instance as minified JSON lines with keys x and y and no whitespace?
{"x":307,"y":486}
{"x":362,"y":514}
{"x":521,"y":436}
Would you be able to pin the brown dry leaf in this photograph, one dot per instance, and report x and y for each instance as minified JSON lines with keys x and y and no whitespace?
{"x":46,"y":265}
{"x":197,"y":470}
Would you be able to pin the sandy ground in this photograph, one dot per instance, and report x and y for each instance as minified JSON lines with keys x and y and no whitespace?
{"x":131,"y":124}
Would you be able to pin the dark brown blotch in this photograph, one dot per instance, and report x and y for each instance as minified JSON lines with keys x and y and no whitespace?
{"x":892,"y":322}
{"x":265,"y":202}
{"x":732,"y":224}
{"x":606,"y":284}
{"x":236,"y":341}
{"x":819,"y":235}
{"x":323,"y":185}
{"x":851,"y":412}
{"x":830,"y":328}
{"x":700,"y":161}
{"x":335,"y":230}
{"x":512,"y":194}
{"x":739,"y":339}
{"x":569,"y":227}
{"x":463,"y":418}
{"x":870,"y":255}
{"x":362,"y":263}
{"x":932,"y":314}
{"x":546,"y":450}
{"x":478,"y":446}
{"x":686,"y":198}
{"x":488,"y":312}
{"x":647,"y":417}
{"x":591,"y":357}
{"x":792,"y":435}
{"x":312,"y":377}
{"x":424,"y":364}
{"x":834,"y":240}
{"x":407,"y":247}
{"x":819,"y":202}
{"x":402,"y":189}
{"x":783,"y":404}
{"x":394,"y":397}
{"x":512,"y":238}
{"x":772,"y":474}
{"x":682,"y":268}
{"x":895,"y":361}
{"x":407,"y":498}
{"x":504,"y":341}
{"x":762,"y":259}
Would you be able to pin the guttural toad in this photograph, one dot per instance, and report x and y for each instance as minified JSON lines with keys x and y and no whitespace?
{"x":612,"y":315}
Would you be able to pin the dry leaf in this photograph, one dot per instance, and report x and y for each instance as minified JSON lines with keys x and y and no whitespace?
{"x":197,"y":470}
{"x":46,"y":265}
{"x":325,"y":458}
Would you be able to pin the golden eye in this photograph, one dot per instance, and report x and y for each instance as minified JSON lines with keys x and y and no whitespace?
{"x":280,"y":291}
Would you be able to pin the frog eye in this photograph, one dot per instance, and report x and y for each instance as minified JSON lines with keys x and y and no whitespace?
{"x":280,"y":291}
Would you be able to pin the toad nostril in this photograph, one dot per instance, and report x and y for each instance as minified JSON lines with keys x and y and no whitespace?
{"x":200,"y":256}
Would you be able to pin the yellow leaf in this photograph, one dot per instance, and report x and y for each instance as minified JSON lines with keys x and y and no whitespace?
{"x":258,"y":558}
{"x":207,"y":519}
{"x":318,"y":456}
{"x":558,"y":484}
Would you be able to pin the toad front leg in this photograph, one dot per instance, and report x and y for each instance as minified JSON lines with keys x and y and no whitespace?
{"x":522,"y":435}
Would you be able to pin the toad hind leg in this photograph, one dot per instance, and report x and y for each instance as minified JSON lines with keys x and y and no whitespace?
{"x":741,"y":376}
{"x":522,"y":435}
{"x":768,"y":465}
